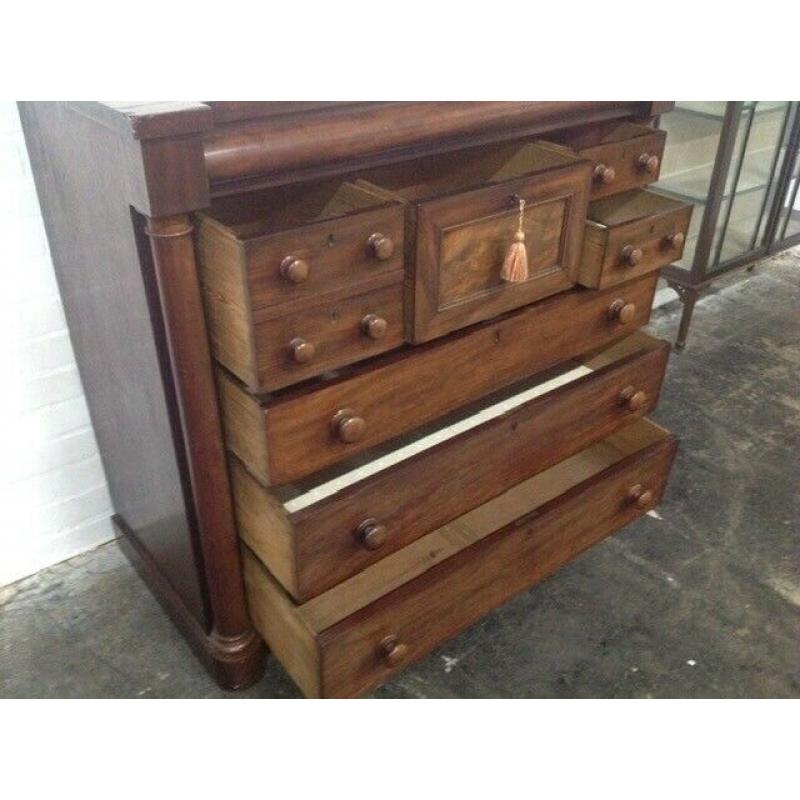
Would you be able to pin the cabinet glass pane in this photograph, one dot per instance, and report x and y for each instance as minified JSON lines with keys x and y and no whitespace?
{"x":693,"y":131}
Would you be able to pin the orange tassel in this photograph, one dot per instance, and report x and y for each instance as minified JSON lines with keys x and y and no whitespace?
{"x":515,"y":265}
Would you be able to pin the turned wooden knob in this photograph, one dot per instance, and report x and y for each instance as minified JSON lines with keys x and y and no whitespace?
{"x":604,"y":174}
{"x":301,"y":351}
{"x":371,"y":534}
{"x":294,"y":270}
{"x":648,"y":163}
{"x":675,"y":240}
{"x":347,"y":426}
{"x":641,"y":496}
{"x":621,"y":311}
{"x":380,"y":246}
{"x":634,"y":399}
{"x":631,"y":256}
{"x":374,"y":326}
{"x":394,"y":651}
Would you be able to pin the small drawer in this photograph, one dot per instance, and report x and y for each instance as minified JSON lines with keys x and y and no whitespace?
{"x":630,"y":234}
{"x":316,"y":535}
{"x":344,"y":329}
{"x":284,"y":252}
{"x":307,"y":428}
{"x":623,"y":155}
{"x":358,"y":634}
{"x":462,"y":215}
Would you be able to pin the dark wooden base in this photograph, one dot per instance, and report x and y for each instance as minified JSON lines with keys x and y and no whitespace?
{"x":234,"y":663}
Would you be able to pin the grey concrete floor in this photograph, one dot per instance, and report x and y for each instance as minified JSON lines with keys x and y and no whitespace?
{"x":701,"y":599}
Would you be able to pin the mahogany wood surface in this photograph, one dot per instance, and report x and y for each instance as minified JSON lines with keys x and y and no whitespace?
{"x":334,"y":645}
{"x":291,"y":436}
{"x":312,"y":549}
{"x":630,"y":234}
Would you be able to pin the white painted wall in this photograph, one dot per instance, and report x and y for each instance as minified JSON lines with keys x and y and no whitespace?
{"x":54,"y":501}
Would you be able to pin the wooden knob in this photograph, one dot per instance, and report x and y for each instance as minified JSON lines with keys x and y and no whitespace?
{"x":301,"y":351}
{"x":634,"y":399}
{"x":621,"y":311}
{"x":641,"y":496}
{"x":631,"y":256}
{"x":371,"y":534}
{"x":374,"y":326}
{"x":294,"y":270}
{"x":347,"y":426}
{"x":394,"y":651}
{"x":604,"y":174}
{"x":380,"y":246}
{"x":648,"y":163}
{"x":675,"y":240}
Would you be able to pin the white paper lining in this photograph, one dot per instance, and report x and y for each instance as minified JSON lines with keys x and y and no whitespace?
{"x":341,"y":482}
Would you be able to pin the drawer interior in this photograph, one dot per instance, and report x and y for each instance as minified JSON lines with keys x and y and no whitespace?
{"x":467,"y":169}
{"x":289,"y":207}
{"x":637,"y":204}
{"x":301,"y":495}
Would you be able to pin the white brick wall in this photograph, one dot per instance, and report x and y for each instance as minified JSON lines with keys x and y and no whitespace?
{"x":54,"y":500}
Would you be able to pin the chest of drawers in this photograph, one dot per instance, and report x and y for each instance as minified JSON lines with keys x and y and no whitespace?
{"x":329,"y":424}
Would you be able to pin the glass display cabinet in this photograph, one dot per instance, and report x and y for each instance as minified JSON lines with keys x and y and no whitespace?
{"x":737,"y":163}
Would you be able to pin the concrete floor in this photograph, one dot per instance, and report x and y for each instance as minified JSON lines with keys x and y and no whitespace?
{"x":700,"y":599}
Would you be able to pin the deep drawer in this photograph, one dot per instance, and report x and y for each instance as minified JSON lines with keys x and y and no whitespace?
{"x":358,"y":634}
{"x":624,"y":155}
{"x":630,"y":234}
{"x":316,"y":535}
{"x":289,"y":253}
{"x":308,"y":428}
{"x":462,"y":214}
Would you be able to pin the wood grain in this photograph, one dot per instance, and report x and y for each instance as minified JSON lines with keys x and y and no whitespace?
{"x":332,"y":645}
{"x":411,"y":498}
{"x":402,"y":391}
{"x":640,"y":219}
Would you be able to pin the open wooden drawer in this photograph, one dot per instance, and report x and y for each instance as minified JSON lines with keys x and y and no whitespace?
{"x":356,"y":635}
{"x":624,"y":155}
{"x":462,"y":214}
{"x":299,"y":280}
{"x":314,"y":535}
{"x":304,"y":429}
{"x":630,"y":234}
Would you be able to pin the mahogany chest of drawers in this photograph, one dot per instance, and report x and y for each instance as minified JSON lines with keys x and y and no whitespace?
{"x":332,"y":423}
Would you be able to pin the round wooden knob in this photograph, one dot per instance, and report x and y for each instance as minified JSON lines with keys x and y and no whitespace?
{"x":394,"y":651}
{"x":380,"y":246}
{"x":294,"y":270}
{"x":301,"y":351}
{"x":631,"y":256}
{"x":648,"y":163}
{"x":371,"y":534}
{"x":374,"y":326}
{"x":621,"y":311}
{"x":347,"y":426}
{"x":634,"y":399}
{"x":604,"y":174}
{"x":641,"y":496}
{"x":675,"y":240}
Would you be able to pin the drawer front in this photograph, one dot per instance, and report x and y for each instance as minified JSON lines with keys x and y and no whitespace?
{"x":462,"y":241}
{"x":331,"y":539}
{"x":616,"y":252}
{"x":344,"y":329}
{"x":303,"y":431}
{"x":366,"y":648}
{"x":325,"y":256}
{"x":626,"y":163}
